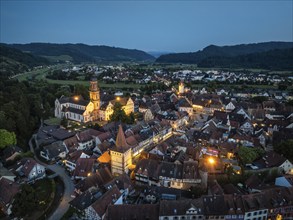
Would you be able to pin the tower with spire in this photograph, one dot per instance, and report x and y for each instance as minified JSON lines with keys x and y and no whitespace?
{"x":181,"y":88}
{"x":121,"y":154}
{"x":95,"y":96}
{"x":95,"y":93}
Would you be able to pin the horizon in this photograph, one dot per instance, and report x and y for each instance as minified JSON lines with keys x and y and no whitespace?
{"x":152,"y":51}
{"x":163,"y":26}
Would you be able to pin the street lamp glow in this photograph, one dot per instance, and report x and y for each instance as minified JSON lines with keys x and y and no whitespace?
{"x":211,"y":160}
{"x":76,"y":98}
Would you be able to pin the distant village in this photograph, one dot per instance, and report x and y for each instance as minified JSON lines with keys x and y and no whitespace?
{"x":191,"y":154}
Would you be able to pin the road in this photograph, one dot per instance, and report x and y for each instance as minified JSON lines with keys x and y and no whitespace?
{"x":68,"y":186}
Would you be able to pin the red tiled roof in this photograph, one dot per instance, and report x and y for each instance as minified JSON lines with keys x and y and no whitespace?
{"x":100,"y":206}
{"x":8,"y":190}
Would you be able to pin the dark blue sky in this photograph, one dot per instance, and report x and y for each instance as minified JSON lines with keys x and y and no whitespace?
{"x":147,"y":25}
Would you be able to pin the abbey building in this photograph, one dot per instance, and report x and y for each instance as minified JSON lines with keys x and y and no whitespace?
{"x":78,"y":109}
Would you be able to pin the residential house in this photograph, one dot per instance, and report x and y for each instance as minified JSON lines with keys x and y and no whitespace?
{"x":184,"y":104}
{"x":54,"y":151}
{"x":70,"y":162}
{"x":98,"y":209}
{"x":247,"y":127}
{"x":214,"y":207}
{"x":271,"y":160}
{"x":101,"y":177}
{"x":255,"y":206}
{"x":87,"y":138}
{"x":84,"y":168}
{"x":29,"y":170}
{"x":269,"y":106}
{"x":8,"y":190}
{"x":146,"y":171}
{"x":181,"y":209}
{"x":49,"y":134}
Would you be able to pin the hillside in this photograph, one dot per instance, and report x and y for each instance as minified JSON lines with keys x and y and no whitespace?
{"x":224,"y":51}
{"x":14,"y":61}
{"x":278,"y":59}
{"x":79,"y":53}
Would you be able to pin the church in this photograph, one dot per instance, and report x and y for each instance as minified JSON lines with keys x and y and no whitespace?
{"x":76,"y":108}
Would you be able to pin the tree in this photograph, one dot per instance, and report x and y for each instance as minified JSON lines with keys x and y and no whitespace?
{"x":82,"y":90}
{"x":64,"y":122}
{"x":249,"y":154}
{"x":285,"y":148}
{"x":6,"y":138}
{"x":118,"y":113}
{"x":25,"y":201}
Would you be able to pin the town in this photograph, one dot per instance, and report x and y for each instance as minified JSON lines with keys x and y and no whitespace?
{"x":191,"y":148}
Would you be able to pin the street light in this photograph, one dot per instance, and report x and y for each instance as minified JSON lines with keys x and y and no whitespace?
{"x":211,"y":160}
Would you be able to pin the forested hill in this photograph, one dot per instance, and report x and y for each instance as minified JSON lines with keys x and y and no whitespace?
{"x":225,"y":51}
{"x":14,"y":61}
{"x":79,"y":53}
{"x":278,"y":59}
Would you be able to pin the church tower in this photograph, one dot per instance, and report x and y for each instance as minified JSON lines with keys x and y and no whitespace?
{"x":181,"y":88}
{"x":95,"y":93}
{"x":121,"y":157}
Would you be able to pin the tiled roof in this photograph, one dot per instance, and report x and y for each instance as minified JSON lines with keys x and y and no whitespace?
{"x":100,"y":206}
{"x":121,"y":144}
{"x":171,"y":170}
{"x":8,"y":190}
{"x":78,"y":100}
{"x":87,"y":135}
{"x":121,"y":212}
{"x":84,"y":166}
{"x":270,"y":159}
{"x":180,"y":207}
{"x":55,"y":149}
{"x":98,"y":179}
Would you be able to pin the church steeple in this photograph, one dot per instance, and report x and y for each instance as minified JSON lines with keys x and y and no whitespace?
{"x":95,"y":93}
{"x":120,"y":139}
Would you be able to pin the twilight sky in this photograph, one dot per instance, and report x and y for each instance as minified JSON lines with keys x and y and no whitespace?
{"x":147,"y":25}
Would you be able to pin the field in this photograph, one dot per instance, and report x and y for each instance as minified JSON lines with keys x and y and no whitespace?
{"x":41,"y":74}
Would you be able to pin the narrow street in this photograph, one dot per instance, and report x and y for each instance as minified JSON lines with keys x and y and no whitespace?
{"x":68,"y":186}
